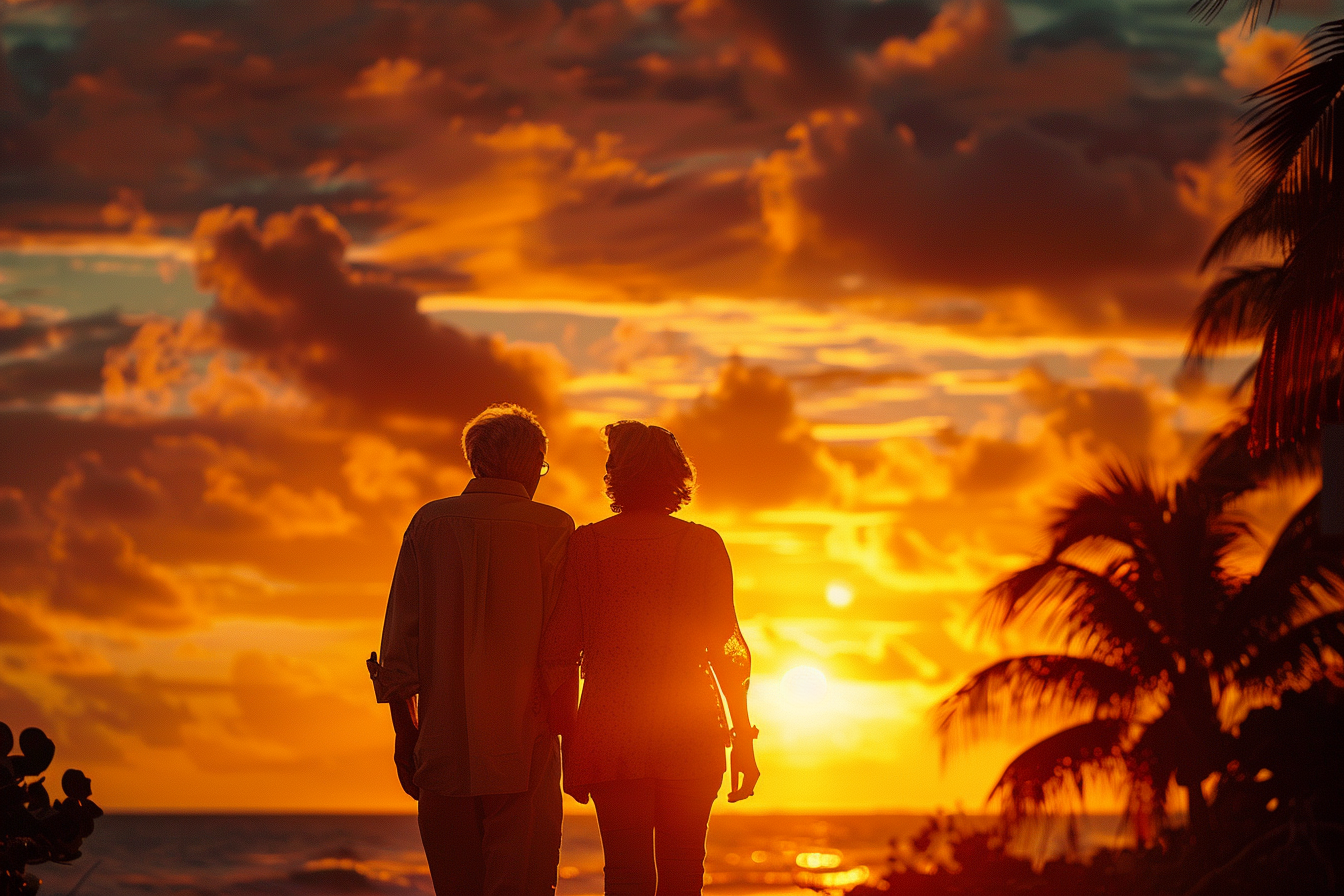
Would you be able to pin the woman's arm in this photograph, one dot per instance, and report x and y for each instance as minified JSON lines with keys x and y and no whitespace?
{"x":730,"y":659}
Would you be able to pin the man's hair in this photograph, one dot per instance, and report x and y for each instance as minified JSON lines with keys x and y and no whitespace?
{"x":646,"y":468}
{"x":504,"y":441}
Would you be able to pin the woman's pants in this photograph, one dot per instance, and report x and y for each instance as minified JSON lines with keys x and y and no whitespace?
{"x":653,"y":834}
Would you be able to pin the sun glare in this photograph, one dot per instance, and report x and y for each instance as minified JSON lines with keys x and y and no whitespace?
{"x":839,"y":594}
{"x":804,"y":685}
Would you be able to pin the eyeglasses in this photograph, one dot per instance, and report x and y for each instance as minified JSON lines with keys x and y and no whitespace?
{"x":545,"y":468}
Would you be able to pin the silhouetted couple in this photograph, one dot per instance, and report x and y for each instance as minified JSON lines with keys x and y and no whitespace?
{"x":498,"y":607}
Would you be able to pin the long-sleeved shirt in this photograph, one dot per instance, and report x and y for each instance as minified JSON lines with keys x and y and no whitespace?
{"x":475,"y":583}
{"x":647,"y":607}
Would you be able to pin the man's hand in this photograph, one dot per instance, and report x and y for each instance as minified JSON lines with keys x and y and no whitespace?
{"x":562,"y":710}
{"x":742,"y":771}
{"x":404,"y":722}
{"x":404,"y":756}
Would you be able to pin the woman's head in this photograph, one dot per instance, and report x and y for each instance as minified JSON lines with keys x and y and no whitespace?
{"x":646,"y":468}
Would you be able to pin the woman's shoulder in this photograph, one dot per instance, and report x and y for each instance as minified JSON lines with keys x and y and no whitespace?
{"x":702,"y":532}
{"x":639,"y":527}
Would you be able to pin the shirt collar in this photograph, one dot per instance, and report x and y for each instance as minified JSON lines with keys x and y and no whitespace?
{"x":495,"y":486}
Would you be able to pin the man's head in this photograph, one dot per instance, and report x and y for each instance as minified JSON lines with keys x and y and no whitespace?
{"x":505,"y":441}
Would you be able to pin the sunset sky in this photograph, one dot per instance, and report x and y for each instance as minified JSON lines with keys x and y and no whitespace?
{"x":898,"y":275}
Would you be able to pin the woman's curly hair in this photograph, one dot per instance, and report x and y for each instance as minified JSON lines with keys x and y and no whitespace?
{"x":646,"y":468}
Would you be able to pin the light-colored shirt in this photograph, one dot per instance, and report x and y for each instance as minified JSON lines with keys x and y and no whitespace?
{"x":475,"y":583}
{"x":647,"y":607}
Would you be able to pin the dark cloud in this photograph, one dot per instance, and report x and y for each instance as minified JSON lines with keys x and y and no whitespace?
{"x":1167,"y":130}
{"x":748,"y":444}
{"x":41,"y":358}
{"x":983,"y":465}
{"x":867,"y":25}
{"x":19,"y":625}
{"x":23,"y":547}
{"x":91,"y":490}
{"x":146,"y":706}
{"x":98,"y":572}
{"x":1107,"y":417}
{"x":807,"y":36}
{"x":286,"y":296}
{"x":971,"y":137}
{"x":1016,"y":209}
{"x":18,"y":710}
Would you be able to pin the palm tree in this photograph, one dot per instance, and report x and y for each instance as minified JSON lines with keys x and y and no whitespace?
{"x":1293,"y":161}
{"x":1159,"y":635}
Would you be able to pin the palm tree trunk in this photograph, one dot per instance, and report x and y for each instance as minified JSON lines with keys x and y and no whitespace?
{"x":1200,"y":822}
{"x":1192,"y":701}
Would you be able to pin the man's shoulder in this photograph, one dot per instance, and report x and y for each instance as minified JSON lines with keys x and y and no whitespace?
{"x":550,"y":516}
{"x":489,"y":506}
{"x":435,"y":509}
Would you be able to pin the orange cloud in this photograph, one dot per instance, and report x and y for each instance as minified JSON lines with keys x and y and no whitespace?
{"x":749,"y":446}
{"x":958,"y":27}
{"x":1256,"y":59}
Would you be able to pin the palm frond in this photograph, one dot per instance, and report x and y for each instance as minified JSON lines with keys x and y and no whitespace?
{"x":1304,"y":569}
{"x":1123,"y":506}
{"x":1208,"y":10}
{"x":1299,"y":384}
{"x":1033,"y":689}
{"x":1238,"y":307}
{"x":1225,"y":469}
{"x":1293,"y":149}
{"x":1091,"y":610}
{"x":1051,"y":774}
{"x":1295,"y":658}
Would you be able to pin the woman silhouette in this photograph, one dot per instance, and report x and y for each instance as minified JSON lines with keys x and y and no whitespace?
{"x":646,"y":610}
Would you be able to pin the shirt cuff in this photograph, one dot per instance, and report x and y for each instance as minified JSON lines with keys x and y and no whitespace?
{"x":389,"y":684}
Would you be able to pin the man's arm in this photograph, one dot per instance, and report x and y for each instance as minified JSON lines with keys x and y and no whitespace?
{"x":407,"y":726}
{"x":396,"y":680}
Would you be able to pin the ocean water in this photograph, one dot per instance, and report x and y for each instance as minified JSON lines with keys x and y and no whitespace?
{"x":313,"y":855}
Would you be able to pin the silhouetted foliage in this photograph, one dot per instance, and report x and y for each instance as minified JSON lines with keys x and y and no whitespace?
{"x":33,"y":829}
{"x":1293,"y":156}
{"x":1208,"y":10}
{"x":1163,"y":640}
{"x":1278,"y":828}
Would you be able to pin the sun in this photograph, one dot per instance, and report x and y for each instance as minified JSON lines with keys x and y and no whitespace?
{"x":839,"y":594}
{"x":804,"y":685}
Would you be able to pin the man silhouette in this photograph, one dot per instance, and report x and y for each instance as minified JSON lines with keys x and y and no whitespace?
{"x":474,"y":585}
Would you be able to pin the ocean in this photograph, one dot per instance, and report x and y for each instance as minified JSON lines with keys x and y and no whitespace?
{"x":313,"y":855}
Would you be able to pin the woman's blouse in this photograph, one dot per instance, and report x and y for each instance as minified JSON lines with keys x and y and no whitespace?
{"x":646,"y":608}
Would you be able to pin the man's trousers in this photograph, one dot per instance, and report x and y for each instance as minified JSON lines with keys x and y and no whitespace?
{"x":504,"y":844}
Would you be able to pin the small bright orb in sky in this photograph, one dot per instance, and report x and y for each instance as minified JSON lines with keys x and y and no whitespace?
{"x":804,"y":685}
{"x":839,"y":594}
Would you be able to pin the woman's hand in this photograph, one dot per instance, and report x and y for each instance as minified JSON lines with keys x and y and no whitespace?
{"x":742,"y":771}
{"x":562,"y":710}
